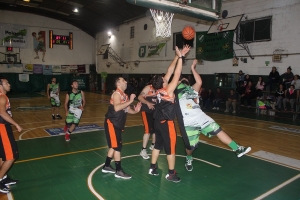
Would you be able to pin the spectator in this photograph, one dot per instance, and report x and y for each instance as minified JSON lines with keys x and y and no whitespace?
{"x":210,"y":98}
{"x":248,"y":94}
{"x":241,"y":89}
{"x":290,"y":96}
{"x":240,"y":80}
{"x":279,"y":96}
{"x":218,"y":98}
{"x":259,"y":87}
{"x":287,"y":77}
{"x":203,"y":96}
{"x":296,"y":83}
{"x":231,"y":101}
{"x":273,"y":78}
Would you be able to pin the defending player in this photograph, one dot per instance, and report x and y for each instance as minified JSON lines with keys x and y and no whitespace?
{"x":53,"y":94}
{"x":74,"y":106}
{"x":114,"y":124}
{"x":193,"y":121}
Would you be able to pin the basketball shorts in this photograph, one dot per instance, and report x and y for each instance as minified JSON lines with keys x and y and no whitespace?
{"x":113,"y":135}
{"x":54,"y":100}
{"x":8,"y":145}
{"x":165,"y":136}
{"x":148,"y":121}
{"x":73,"y":116}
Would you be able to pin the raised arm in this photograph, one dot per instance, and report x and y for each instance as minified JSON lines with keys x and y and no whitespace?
{"x":197,"y":77}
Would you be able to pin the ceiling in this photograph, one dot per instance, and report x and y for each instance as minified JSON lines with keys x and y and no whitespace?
{"x":93,"y":15}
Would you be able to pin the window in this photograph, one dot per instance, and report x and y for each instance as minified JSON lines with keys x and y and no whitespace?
{"x":132,"y":32}
{"x":256,"y":30}
{"x":179,"y":41}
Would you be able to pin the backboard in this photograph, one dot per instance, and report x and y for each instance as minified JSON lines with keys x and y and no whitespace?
{"x":223,"y":25}
{"x":201,"y":9}
{"x":102,"y":49}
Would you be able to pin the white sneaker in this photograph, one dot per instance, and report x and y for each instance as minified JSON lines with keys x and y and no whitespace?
{"x":144,"y":154}
{"x":214,"y":108}
{"x":151,"y":147}
{"x":233,"y":112}
{"x":226,"y":111}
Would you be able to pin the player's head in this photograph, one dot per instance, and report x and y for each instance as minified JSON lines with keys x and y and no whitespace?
{"x":33,"y":34}
{"x":74,"y":84}
{"x":184,"y":80}
{"x":158,"y":82}
{"x":121,"y":83}
{"x":4,"y":85}
{"x":53,"y":80}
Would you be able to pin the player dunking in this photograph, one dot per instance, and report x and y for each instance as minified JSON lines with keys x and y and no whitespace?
{"x":164,"y":115}
{"x":74,"y":106}
{"x":114,"y":124}
{"x":193,"y":121}
{"x":148,"y":100}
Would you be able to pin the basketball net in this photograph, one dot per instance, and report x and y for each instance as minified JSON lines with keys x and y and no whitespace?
{"x":163,"y":22}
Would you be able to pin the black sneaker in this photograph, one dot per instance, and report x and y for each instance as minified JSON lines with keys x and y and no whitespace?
{"x":122,"y":174}
{"x":153,"y":171}
{"x":53,"y":117}
{"x":108,"y":169}
{"x":3,"y":188}
{"x":8,"y":181}
{"x":173,"y":177}
{"x":188,"y":164}
{"x":242,"y":151}
{"x":58,"y":117}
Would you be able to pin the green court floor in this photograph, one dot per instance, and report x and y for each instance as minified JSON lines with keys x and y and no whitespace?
{"x":50,"y":168}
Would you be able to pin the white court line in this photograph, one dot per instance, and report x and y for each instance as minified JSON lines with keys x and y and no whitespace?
{"x":92,"y":189}
{"x":277,"y":187}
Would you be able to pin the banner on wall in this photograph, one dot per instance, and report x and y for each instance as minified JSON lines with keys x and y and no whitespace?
{"x":214,"y":47}
{"x":73,"y":69}
{"x":56,"y":70}
{"x":14,"y":65}
{"x":24,"y":77}
{"x":81,"y":69}
{"x":65,"y":69}
{"x":13,"y":35}
{"x":152,"y":50}
{"x":37,"y":69}
{"x":47,"y":69}
{"x":28,"y":68}
{"x":81,"y":82}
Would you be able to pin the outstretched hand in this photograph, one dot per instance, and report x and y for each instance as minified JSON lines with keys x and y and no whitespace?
{"x":186,"y":48}
{"x":178,"y":52}
{"x":193,"y":66}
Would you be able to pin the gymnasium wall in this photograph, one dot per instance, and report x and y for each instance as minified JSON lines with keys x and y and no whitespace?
{"x":285,"y":32}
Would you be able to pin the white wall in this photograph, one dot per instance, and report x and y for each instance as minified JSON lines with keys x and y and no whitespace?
{"x":83,"y":44}
{"x":285,"y":33}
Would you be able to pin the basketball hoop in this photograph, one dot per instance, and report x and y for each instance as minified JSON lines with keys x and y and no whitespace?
{"x":163,"y":22}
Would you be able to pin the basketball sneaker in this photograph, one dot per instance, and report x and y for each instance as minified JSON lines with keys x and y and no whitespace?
{"x":188,"y":164}
{"x":6,"y":180}
{"x":58,"y":117}
{"x":122,"y":174}
{"x":67,"y":137}
{"x":151,"y":147}
{"x":153,"y":171}
{"x":242,"y":151}
{"x":3,"y":188}
{"x":108,"y":169}
{"x":173,"y":177}
{"x":144,"y":154}
{"x":53,"y":117}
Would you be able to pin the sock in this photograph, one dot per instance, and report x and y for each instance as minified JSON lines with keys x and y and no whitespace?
{"x":152,"y":166}
{"x":189,"y":157}
{"x":233,"y":145}
{"x":69,"y":132}
{"x":143,"y":148}
{"x":118,"y":165}
{"x":107,"y":161}
{"x":171,"y":171}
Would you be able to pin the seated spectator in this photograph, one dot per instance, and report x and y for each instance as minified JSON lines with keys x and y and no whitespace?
{"x":279,"y":96}
{"x":218,"y":98}
{"x":231,"y":101}
{"x":249,"y":94}
{"x":241,"y":89}
{"x":287,"y":77}
{"x":290,"y":96}
{"x":273,"y":78}
{"x":259,"y":87}
{"x":240,"y":80}
{"x":296,"y":83}
{"x":203,"y":96}
{"x":210,"y":98}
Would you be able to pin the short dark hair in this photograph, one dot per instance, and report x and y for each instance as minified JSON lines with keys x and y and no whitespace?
{"x":157,"y":82}
{"x":116,"y":81}
{"x":1,"y":79}
{"x":74,"y":81}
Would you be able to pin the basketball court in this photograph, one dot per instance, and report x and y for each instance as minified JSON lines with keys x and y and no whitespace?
{"x":51,"y":168}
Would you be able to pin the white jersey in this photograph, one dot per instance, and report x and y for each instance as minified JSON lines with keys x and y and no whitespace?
{"x":190,"y":109}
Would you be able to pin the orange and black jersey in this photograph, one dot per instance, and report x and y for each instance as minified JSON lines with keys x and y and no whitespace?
{"x":150,"y":97}
{"x":8,"y":109}
{"x":165,"y":107}
{"x":118,"y":118}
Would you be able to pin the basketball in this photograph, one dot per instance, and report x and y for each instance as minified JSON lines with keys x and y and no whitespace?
{"x":188,"y":33}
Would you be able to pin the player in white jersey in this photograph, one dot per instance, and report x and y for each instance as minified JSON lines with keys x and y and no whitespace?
{"x":193,"y":121}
